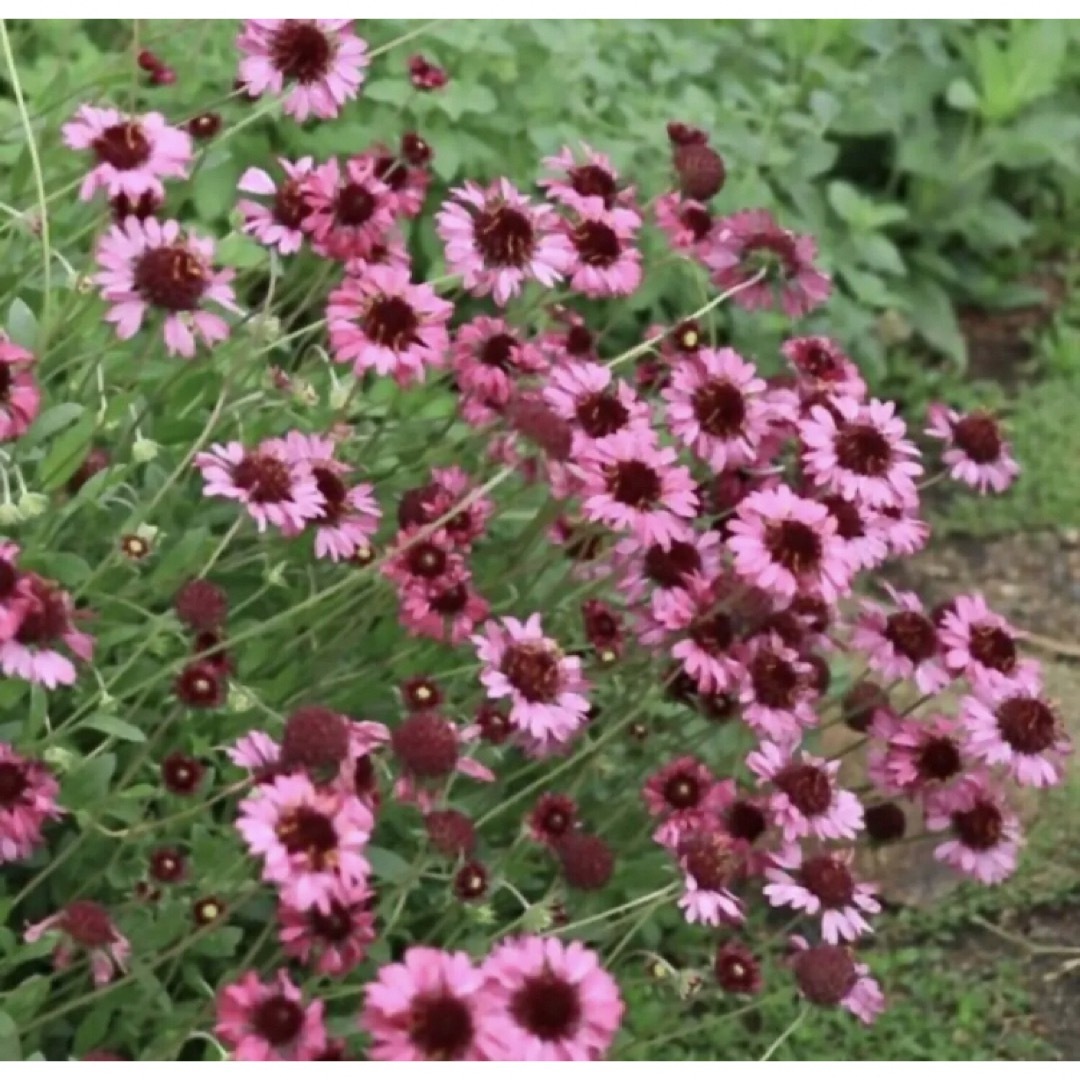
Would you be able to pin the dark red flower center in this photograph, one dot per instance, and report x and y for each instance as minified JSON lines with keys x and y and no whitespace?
{"x":451,"y":601}
{"x":547,"y":1006}
{"x":289,"y":208}
{"x":634,"y":483}
{"x":579,"y":340}
{"x":980,"y":828}
{"x":48,"y":619}
{"x":710,"y":860}
{"x":670,"y":569}
{"x":7,"y":380}
{"x":532,"y":668}
{"x":597,"y":243}
{"x":979,"y":437}
{"x":364,"y":776}
{"x":863,"y":449}
{"x":264,"y":477}
{"x":305,"y":831}
{"x":713,"y":632}
{"x":334,"y":925}
{"x":426,"y":560}
{"x":993,"y":647}
{"x":682,"y":791}
{"x":504,"y":236}
{"x":301,"y":51}
{"x":171,"y":277}
{"x":354,"y":205}
{"x":601,"y":414}
{"x":440,"y":1026}
{"x":776,"y":681}
{"x":939,"y":758}
{"x":13,"y":783}
{"x":391,"y":321}
{"x":913,"y":635}
{"x":593,"y":181}
{"x":720,"y":409}
{"x":817,"y":360}
{"x":829,"y":880}
{"x":697,"y":220}
{"x":1027,"y":724}
{"x":123,"y":146}
{"x":808,"y":788}
{"x":849,"y":522}
{"x":794,"y":545}
{"x":392,"y":171}
{"x":498,"y":352}
{"x":88,"y":924}
{"x":278,"y":1020}
{"x":774,"y":252}
{"x":745,"y":821}
{"x":826,"y":973}
{"x":333,"y":490}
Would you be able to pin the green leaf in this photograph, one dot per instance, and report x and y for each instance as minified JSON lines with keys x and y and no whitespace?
{"x":241,"y":251}
{"x":87,"y":785}
{"x":112,"y":725}
{"x":387,"y":864}
{"x":961,"y":95}
{"x":934,"y":319}
{"x":10,"y":1049}
{"x":66,"y":454}
{"x":22,"y":324}
{"x":51,"y":421}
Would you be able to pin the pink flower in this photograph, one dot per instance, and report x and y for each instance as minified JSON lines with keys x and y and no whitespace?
{"x":150,"y":264}
{"x":749,"y":243}
{"x":310,"y":840}
{"x":279,"y":224}
{"x":497,"y":240}
{"x":823,"y":884}
{"x":269,"y":1021}
{"x":687,"y":224}
{"x":980,"y":644}
{"x":319,"y":61}
{"x":984,"y":832}
{"x":332,"y":941}
{"x":274,"y":488}
{"x":382,"y":321}
{"x":20,"y":396}
{"x":822,"y":970}
{"x":133,"y":153}
{"x":419,"y":555}
{"x":550,"y":1001}
{"x":902,"y":644}
{"x":446,"y":609}
{"x":1015,"y":726}
{"x":407,"y":182}
{"x":45,"y":616}
{"x":664,"y":569}
{"x":432,"y":1006}
{"x":904,"y":532}
{"x":488,"y":357}
{"x":776,"y":690}
{"x":255,"y":751}
{"x":546,"y":688}
{"x":28,"y":793}
{"x":822,"y":368}
{"x":918,"y":755}
{"x":859,"y":450}
{"x":85,"y":926}
{"x":634,"y":485}
{"x":350,"y":212}
{"x":716,"y":407}
{"x":977,"y":453}
{"x":595,"y":179}
{"x":805,"y":800}
{"x":862,"y":529}
{"x":710,"y":861}
{"x":784,"y":545}
{"x":605,"y":261}
{"x":686,"y":795}
{"x":586,"y":394}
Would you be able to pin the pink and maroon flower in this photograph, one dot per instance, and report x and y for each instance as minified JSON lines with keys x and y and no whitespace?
{"x":980,"y":644}
{"x":497,"y":240}
{"x":985,"y":837}
{"x":151,"y":265}
{"x":269,"y":1021}
{"x":349,"y":211}
{"x":902,"y":644}
{"x":488,"y":358}
{"x":711,"y":862}
{"x":382,"y":321}
{"x":596,"y":178}
{"x":776,"y":690}
{"x":44,"y":619}
{"x":318,"y":64}
{"x":20,"y":396}
{"x":28,"y":792}
{"x":279,"y":224}
{"x":424,"y":75}
{"x":687,"y":797}
{"x":912,"y":755}
{"x":446,"y":609}
{"x":823,"y":369}
{"x":332,"y":941}
{"x":605,"y":261}
{"x":133,"y":153}
{"x":976,"y":453}
{"x":688,"y":225}
{"x":85,"y":927}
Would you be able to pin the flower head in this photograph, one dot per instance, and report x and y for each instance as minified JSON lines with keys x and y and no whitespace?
{"x":976,"y":451}
{"x":279,"y":224}
{"x":349,"y":210}
{"x":20,"y":395}
{"x":984,"y":833}
{"x":605,"y":261}
{"x":85,"y":926}
{"x":269,"y":1021}
{"x":333,"y":940}
{"x":28,"y":792}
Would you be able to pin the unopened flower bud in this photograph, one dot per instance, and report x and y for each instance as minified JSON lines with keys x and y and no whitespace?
{"x":32,"y":504}
{"x":144,"y":450}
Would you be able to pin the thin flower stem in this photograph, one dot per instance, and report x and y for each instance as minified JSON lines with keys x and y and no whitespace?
{"x":652,"y":898}
{"x":404,"y":37}
{"x":786,"y":1033}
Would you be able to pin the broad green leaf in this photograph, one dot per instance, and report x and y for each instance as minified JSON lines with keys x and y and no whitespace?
{"x":22,"y":324}
{"x":112,"y":725}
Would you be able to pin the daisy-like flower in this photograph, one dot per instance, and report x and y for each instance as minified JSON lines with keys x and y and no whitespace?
{"x":823,"y":884}
{"x":805,"y":799}
{"x":862,"y":530}
{"x":976,"y":453}
{"x":349,"y":211}
{"x":408,"y":183}
{"x":432,"y":1006}
{"x":151,"y":265}
{"x":497,"y":240}
{"x":417,"y":558}
{"x":716,"y":407}
{"x":28,"y":793}
{"x":587,"y":395}
{"x":786,"y":545}
{"x":383,"y":321}
{"x":278,"y":224}
{"x":902,"y":644}
{"x":660,"y":570}
{"x":829,"y":975}
{"x":552,"y":819}
{"x":711,"y":861}
{"x":633,"y":484}
{"x":317,"y":63}
{"x":913,"y":755}
{"x":46,"y":620}
{"x":749,"y":243}
{"x":859,"y":450}
{"x":133,"y":154}
{"x":985,"y":836}
{"x":447,"y":490}
{"x":980,"y":644}
{"x":605,"y":261}
{"x":274,"y":488}
{"x":595,"y":178}
{"x":447,"y":609}
{"x":776,"y":690}
{"x":688,"y":225}
{"x":905,"y":533}
{"x":823,"y":369}
{"x":687,"y":797}
{"x":1015,"y":726}
{"x":488,"y":358}
{"x":310,"y":840}
{"x":551,"y":1001}
{"x":334,"y":941}
{"x":545,"y":687}
{"x":269,"y":1021}
{"x":85,"y":927}
{"x":257,"y":752}
{"x":20,"y":396}
{"x":349,"y":515}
